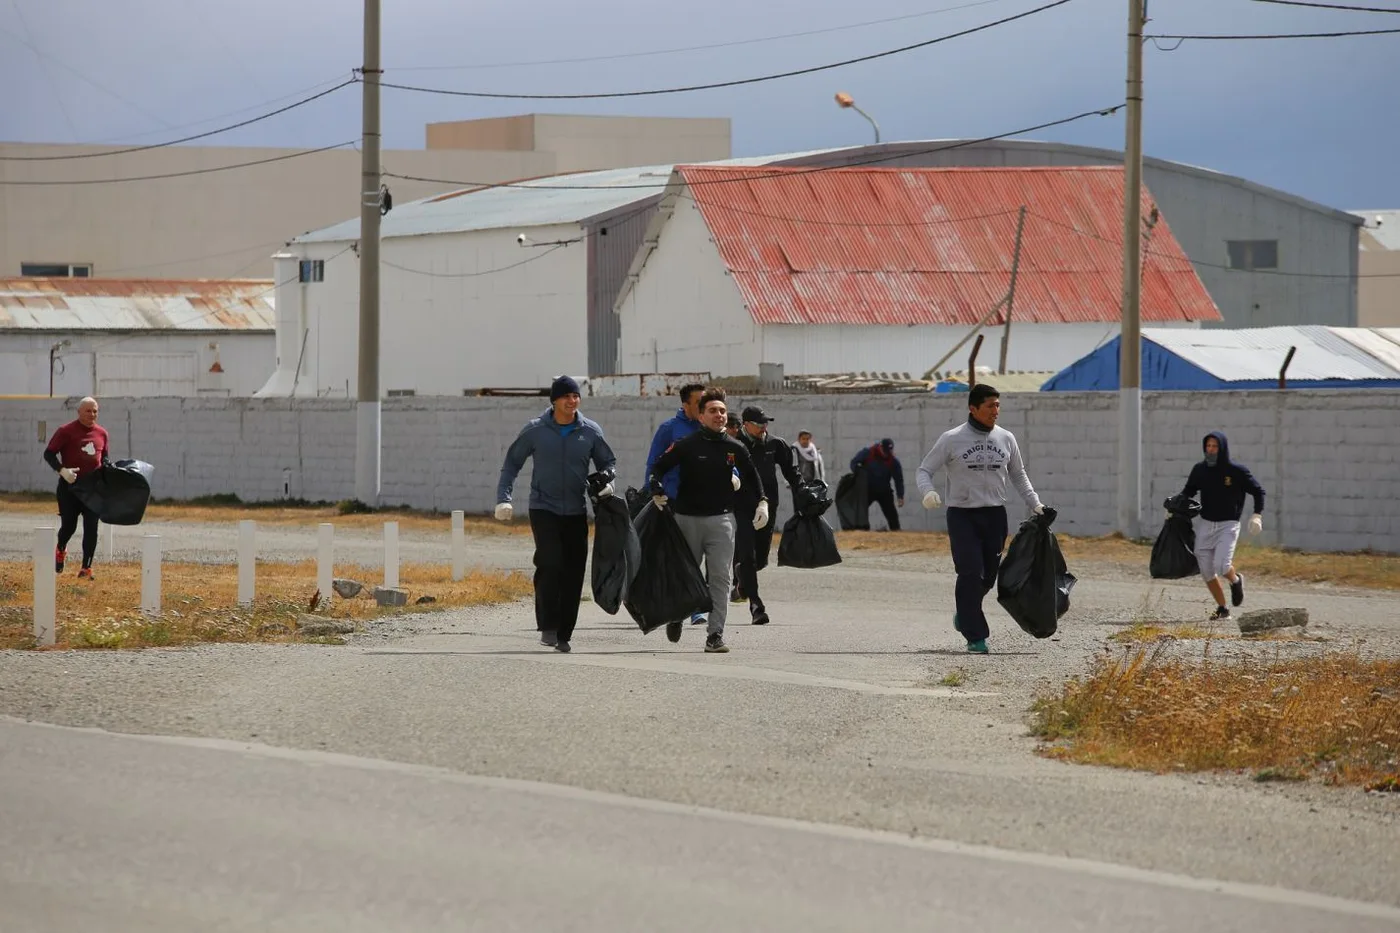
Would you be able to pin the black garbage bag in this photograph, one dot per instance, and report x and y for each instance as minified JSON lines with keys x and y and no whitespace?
{"x":1174,"y":552}
{"x":617,"y":553}
{"x":118,"y":492}
{"x":808,"y":543}
{"x":853,"y":502}
{"x":669,"y":586}
{"x":810,"y":499}
{"x":1033,"y":584}
{"x":636,"y":501}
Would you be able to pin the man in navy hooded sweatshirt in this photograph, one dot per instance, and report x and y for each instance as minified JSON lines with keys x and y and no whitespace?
{"x":562,"y":442}
{"x":1223,"y":485}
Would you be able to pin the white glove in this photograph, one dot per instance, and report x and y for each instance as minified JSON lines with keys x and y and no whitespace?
{"x":734,"y":481}
{"x":605,"y":491}
{"x":760,"y":516}
{"x":1256,"y":524}
{"x":932,"y":499}
{"x":1038,"y":509}
{"x":504,"y":511}
{"x":659,"y":502}
{"x":69,"y":474}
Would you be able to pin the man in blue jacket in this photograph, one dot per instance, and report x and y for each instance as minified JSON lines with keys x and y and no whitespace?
{"x":685,"y":423}
{"x":562,"y":442}
{"x":1223,"y":485}
{"x":880,"y":466}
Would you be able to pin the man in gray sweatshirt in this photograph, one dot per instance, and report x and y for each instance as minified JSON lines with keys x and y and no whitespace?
{"x":979,"y":458}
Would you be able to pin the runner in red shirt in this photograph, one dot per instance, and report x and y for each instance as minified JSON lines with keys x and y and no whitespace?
{"x":76,"y":449}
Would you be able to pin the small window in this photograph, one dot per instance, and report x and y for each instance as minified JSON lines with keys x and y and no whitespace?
{"x":56,"y":270}
{"x":313,"y":270}
{"x":402,"y":393}
{"x":1247,"y":255}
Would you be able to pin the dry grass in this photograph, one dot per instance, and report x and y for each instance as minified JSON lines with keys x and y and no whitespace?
{"x":199,"y":602}
{"x":1366,"y":570}
{"x":220,"y":510}
{"x":1335,"y":717}
{"x":1164,"y":631}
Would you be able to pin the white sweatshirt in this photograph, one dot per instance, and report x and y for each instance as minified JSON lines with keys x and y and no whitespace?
{"x":978,"y":464}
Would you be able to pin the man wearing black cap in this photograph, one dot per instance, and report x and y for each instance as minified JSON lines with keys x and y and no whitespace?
{"x":880,"y":466}
{"x":752,"y":546}
{"x":562,"y":442}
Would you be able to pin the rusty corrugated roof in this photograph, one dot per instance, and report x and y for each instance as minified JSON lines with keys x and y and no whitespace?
{"x":935,"y":245}
{"x":64,"y":304}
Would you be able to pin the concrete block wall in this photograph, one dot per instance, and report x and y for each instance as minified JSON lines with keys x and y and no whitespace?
{"x":1326,"y":458}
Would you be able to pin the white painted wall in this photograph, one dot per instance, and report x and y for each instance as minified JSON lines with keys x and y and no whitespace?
{"x":135,"y":365}
{"x":684,"y":313}
{"x":822,"y":348}
{"x":478,"y":310}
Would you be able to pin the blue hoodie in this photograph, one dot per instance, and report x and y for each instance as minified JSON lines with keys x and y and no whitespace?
{"x":670,"y":431}
{"x":1223,"y":486}
{"x":559,"y":483}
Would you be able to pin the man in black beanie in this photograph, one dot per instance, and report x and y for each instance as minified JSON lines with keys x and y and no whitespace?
{"x":562,"y":442}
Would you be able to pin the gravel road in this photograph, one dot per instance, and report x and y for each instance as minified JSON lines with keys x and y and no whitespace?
{"x":832,"y":714}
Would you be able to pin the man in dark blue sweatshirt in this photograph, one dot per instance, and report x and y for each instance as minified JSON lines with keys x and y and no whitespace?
{"x":881,"y":467}
{"x":562,"y":442}
{"x":1223,"y":485}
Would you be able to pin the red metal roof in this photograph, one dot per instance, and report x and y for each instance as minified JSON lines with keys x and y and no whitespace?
{"x":934,"y":245}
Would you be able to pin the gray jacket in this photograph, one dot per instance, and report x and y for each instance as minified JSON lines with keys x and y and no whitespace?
{"x":979,"y":464}
{"x":559,"y":483}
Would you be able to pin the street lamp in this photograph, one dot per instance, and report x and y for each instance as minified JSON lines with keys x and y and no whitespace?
{"x":847,"y":102}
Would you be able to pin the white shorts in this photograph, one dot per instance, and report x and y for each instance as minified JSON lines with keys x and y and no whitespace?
{"x":1215,"y":547}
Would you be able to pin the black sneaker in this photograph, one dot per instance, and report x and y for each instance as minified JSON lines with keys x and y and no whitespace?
{"x":760,"y":617}
{"x":563,"y":647}
{"x":673,"y":631}
{"x":1221,"y":613}
{"x":715,"y":644}
{"x":549,"y":639}
{"x":1237,"y":590}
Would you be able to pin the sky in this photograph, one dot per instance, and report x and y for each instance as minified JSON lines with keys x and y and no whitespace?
{"x":1315,"y":117}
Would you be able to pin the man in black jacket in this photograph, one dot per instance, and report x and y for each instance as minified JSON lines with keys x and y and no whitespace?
{"x":705,"y":503}
{"x":752,"y":544}
{"x":1223,"y":485}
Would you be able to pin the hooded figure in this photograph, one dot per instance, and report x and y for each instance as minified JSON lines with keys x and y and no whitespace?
{"x":882,"y":467}
{"x":1223,"y":485}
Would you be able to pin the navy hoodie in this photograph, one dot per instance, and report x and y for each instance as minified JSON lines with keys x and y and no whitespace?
{"x":1223,"y":486}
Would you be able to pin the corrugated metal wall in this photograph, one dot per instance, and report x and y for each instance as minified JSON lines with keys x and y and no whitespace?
{"x":612,"y":244}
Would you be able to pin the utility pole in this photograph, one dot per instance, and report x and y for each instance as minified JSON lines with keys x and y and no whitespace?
{"x":1011,"y":291}
{"x":367,"y":422}
{"x":1130,"y":359}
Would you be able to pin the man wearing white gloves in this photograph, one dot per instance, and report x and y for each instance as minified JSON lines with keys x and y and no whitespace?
{"x":1222,"y":484}
{"x":706,"y":495}
{"x":76,"y":449}
{"x":980,"y":458}
{"x":562,"y":442}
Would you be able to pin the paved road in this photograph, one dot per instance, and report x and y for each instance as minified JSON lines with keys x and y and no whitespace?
{"x":153,"y":835}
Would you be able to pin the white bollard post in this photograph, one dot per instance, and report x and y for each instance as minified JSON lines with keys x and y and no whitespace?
{"x":247,"y":561}
{"x":459,"y":545}
{"x":150,"y":574}
{"x":111,"y":542}
{"x":45,"y":588}
{"x":325,"y":562}
{"x":391,"y":555}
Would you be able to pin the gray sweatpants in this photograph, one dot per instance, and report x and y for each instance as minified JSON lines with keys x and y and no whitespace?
{"x":711,"y":539}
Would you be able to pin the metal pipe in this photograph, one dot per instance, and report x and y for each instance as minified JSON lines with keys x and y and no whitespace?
{"x":1283,"y":370}
{"x":1011,"y":291}
{"x":972,"y":364}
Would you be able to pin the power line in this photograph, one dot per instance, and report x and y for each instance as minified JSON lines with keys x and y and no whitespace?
{"x":184,"y":139}
{"x":776,"y":171}
{"x":199,"y":171}
{"x":735,"y":83}
{"x":699,"y":48}
{"x":1331,"y":6}
{"x":1290,"y":35}
{"x":472,"y":275}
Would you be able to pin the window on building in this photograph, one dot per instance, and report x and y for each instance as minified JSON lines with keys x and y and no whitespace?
{"x":402,"y":393}
{"x":56,"y":270}
{"x":1248,"y":255}
{"x":313,"y":270}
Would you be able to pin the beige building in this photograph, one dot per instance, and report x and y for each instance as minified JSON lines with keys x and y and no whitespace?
{"x":1378,"y":291}
{"x":110,"y":219}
